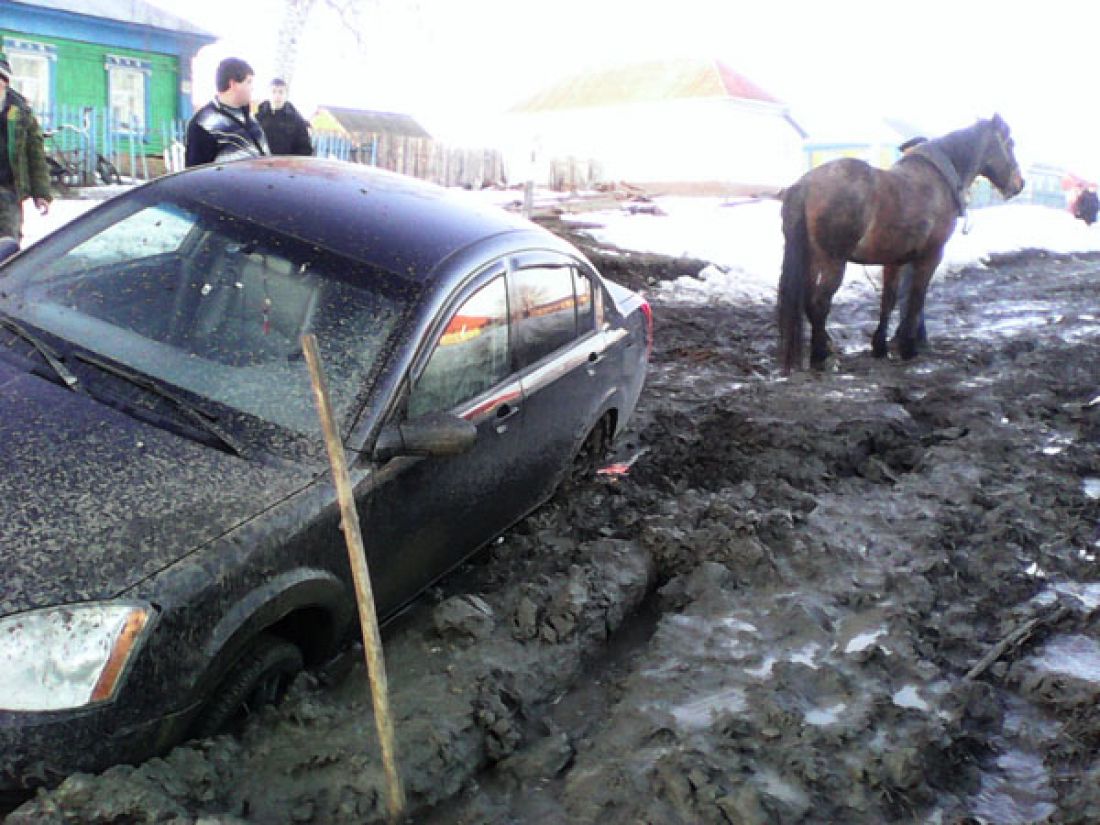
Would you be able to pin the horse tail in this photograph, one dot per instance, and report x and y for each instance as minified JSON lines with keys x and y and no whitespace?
{"x":793,"y":278}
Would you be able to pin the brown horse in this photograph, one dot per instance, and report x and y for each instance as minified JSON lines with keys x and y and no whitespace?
{"x":846,"y":210}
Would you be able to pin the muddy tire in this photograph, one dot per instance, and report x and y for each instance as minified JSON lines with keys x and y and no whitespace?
{"x":260,"y":677}
{"x":591,"y":454}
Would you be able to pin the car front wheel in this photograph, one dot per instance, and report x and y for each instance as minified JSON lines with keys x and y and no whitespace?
{"x":260,"y":677}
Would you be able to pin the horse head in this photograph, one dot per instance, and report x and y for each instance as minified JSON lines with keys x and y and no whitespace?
{"x":998,"y":161}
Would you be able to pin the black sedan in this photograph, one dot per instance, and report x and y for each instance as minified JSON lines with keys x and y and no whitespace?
{"x":169,"y":533}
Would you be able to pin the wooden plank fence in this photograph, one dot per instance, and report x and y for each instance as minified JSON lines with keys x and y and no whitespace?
{"x":432,"y":160}
{"x":417,"y":157}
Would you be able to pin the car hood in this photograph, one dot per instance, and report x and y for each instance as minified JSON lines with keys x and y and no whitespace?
{"x":93,"y":501}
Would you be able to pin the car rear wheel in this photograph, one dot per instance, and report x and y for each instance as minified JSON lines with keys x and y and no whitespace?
{"x":260,"y":677}
{"x":592,"y":452}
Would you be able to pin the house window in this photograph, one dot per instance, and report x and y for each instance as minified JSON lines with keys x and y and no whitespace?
{"x":30,"y":76}
{"x":31,"y":71}
{"x":127,"y":89}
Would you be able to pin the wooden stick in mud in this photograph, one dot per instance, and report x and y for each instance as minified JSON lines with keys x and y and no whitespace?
{"x":1014,"y":638}
{"x":368,"y":617}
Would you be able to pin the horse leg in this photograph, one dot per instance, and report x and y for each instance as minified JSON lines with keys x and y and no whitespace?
{"x":903,"y":295}
{"x":886,"y":309}
{"x":828,"y":272}
{"x":912,"y":319}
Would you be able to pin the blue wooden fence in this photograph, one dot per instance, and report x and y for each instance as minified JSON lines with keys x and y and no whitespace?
{"x":86,"y":139}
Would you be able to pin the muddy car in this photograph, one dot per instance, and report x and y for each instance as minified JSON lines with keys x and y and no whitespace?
{"x":170,"y":536}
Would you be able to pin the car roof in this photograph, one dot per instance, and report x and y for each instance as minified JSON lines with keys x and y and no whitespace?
{"x":391,"y":221}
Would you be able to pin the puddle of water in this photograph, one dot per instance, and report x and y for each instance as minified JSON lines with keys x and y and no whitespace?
{"x":909,"y":697}
{"x":780,"y":788}
{"x":764,"y":669}
{"x":975,"y":383}
{"x":1091,"y":486}
{"x":1077,"y":656}
{"x":1010,"y":326}
{"x":1057,"y":443}
{"x":1088,"y":594}
{"x":1035,"y":570}
{"x":864,"y":640}
{"x":702,"y":638}
{"x":806,"y":655}
{"x":1078,"y":334}
{"x":821,"y":717}
{"x":700,"y":713}
{"x":1019,"y":793}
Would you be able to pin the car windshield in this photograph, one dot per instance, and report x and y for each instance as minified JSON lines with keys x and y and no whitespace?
{"x":205,"y":302}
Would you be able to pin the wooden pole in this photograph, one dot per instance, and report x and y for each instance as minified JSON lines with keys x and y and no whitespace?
{"x":368,"y":617}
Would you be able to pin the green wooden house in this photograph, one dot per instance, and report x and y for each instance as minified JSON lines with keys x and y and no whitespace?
{"x":119,"y":71}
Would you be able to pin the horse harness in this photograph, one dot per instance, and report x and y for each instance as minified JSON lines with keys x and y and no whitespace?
{"x":933,"y":155}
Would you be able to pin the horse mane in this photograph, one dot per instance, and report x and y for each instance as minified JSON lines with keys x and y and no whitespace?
{"x":960,"y":146}
{"x":953,"y":143}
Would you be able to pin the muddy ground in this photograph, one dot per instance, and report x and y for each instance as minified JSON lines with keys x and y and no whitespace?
{"x":863,"y":596}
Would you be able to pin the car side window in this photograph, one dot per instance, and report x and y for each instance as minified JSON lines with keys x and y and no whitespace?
{"x":544,"y":311}
{"x":471,"y":355}
{"x":586,"y":310}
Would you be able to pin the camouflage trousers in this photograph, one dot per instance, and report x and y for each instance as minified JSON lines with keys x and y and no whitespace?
{"x":11,"y":214}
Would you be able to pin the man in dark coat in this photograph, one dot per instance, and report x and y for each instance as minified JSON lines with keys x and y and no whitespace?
{"x":287,"y":131}
{"x":23,"y":170}
{"x":224,"y":128}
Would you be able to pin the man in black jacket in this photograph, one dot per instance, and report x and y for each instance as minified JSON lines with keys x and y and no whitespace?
{"x":287,"y":131}
{"x":224,"y":128}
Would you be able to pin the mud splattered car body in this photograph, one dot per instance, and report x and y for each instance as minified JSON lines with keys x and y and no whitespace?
{"x":166,"y":497}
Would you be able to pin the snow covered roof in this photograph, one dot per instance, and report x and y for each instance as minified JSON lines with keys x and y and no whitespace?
{"x":654,"y":80}
{"x":362,"y":121}
{"x":125,"y":11}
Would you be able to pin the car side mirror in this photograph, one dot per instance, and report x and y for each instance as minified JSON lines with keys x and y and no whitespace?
{"x":8,"y":247}
{"x":430,"y":435}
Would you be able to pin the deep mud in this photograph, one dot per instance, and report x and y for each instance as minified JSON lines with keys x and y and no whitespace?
{"x":864,"y":596}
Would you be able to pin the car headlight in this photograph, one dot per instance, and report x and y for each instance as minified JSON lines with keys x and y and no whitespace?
{"x":68,"y":656}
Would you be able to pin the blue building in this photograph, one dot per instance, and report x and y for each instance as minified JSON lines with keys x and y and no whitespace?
{"x":125,"y":60}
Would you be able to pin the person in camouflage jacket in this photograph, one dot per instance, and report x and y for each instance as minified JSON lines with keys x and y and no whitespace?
{"x":23,"y":170}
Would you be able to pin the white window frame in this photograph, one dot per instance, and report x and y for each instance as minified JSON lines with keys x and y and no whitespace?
{"x":121,"y":72}
{"x":36,"y":86}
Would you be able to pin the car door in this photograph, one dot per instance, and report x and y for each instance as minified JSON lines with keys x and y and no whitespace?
{"x":427,"y":514}
{"x":560,"y":352}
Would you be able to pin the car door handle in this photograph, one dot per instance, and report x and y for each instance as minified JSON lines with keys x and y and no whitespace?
{"x":505,"y":412}
{"x":595,"y":357}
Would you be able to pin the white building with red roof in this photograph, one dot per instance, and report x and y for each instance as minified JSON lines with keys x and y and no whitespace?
{"x":668,"y":125}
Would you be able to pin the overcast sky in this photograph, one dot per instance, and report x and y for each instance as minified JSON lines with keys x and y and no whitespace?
{"x":938,"y":64}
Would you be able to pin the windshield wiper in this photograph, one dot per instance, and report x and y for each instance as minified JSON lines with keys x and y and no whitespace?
{"x":190,"y":410}
{"x":63,"y":372}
